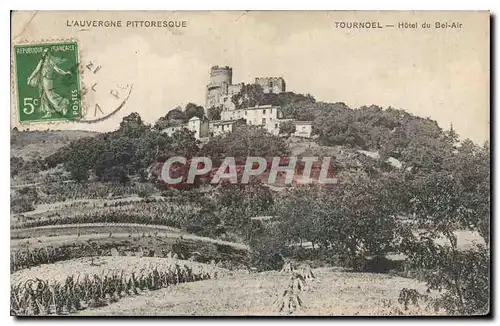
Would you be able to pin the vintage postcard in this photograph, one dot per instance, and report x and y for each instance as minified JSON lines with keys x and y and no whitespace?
{"x":248,"y":163}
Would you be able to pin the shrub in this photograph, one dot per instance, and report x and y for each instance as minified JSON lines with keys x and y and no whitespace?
{"x":21,"y":205}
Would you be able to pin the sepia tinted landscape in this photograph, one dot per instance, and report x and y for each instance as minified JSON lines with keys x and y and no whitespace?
{"x":96,"y":230}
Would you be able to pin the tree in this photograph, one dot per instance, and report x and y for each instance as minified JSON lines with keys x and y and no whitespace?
{"x":236,"y":204}
{"x":80,"y":156}
{"x":287,"y":127}
{"x":302,"y":110}
{"x":116,"y":161}
{"x":214,"y":113}
{"x":267,"y":251}
{"x":131,"y":150}
{"x":299,"y":217}
{"x":338,"y":128}
{"x":249,"y":96}
{"x":78,"y":170}
{"x":24,"y":200}
{"x":176,"y":114}
{"x":193,"y":110}
{"x":286,"y":98}
{"x":362,"y":219}
{"x":356,"y":218}
{"x":132,"y":125}
{"x":173,"y":117}
{"x":161,"y":124}
{"x":451,"y":136}
{"x":184,"y":144}
{"x":253,"y":198}
{"x":16,"y":165}
{"x":245,"y":141}
{"x":454,"y":197}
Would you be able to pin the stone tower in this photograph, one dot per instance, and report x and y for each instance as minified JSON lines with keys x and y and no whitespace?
{"x":220,"y":80}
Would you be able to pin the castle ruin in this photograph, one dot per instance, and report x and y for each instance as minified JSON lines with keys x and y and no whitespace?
{"x":219,"y":93}
{"x":271,"y":84}
{"x":220,"y":88}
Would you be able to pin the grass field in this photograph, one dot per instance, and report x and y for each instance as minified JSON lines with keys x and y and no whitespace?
{"x":332,"y":293}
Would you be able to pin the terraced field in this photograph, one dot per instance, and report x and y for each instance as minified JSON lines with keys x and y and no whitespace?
{"x":331,"y":293}
{"x":103,"y":265}
{"x":60,"y":234}
{"x":73,"y":286}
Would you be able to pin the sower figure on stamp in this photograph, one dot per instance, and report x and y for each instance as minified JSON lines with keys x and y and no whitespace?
{"x":42,"y":78}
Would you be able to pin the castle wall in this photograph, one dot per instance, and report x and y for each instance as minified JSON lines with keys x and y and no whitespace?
{"x":271,"y":84}
{"x":215,"y":95}
{"x":234,"y":89}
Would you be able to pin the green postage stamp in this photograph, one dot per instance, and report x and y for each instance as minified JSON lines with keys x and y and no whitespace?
{"x":47,"y":82}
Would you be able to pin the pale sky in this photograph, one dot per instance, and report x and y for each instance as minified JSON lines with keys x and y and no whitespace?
{"x":439,"y":73}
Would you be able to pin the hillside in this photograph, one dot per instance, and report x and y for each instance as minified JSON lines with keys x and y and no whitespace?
{"x":30,"y":144}
{"x":412,"y":201}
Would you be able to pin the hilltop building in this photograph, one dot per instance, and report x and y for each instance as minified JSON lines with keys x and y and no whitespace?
{"x":271,"y":84}
{"x":219,"y":93}
{"x":220,"y":88}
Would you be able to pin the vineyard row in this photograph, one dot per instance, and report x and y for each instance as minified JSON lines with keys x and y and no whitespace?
{"x":38,"y":297}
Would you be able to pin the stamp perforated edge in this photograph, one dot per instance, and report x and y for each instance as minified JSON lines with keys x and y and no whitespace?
{"x":14,"y":116}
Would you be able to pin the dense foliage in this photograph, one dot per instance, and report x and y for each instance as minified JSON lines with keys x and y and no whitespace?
{"x":253,"y":94}
{"x":355,"y":218}
{"x":130,"y":150}
{"x":243,"y":142}
{"x":287,"y":128}
{"x":178,"y":116}
{"x":23,"y":200}
{"x":214,"y":113}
